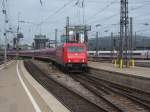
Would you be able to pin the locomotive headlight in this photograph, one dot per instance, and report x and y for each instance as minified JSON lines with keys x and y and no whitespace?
{"x":69,"y":60}
{"x":83,"y":60}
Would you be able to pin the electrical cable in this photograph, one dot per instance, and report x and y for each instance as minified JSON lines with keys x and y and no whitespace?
{"x":141,"y":6}
{"x":102,"y":10}
{"x":110,"y":17}
{"x":57,"y":11}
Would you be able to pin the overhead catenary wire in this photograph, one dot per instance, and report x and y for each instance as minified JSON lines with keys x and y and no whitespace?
{"x":80,"y":7}
{"x":57,"y":11}
{"x":109,"y":17}
{"x":142,"y":30}
{"x":102,"y":19}
{"x":42,"y":22}
{"x":112,"y":16}
{"x":106,"y":18}
{"x":102,"y":10}
{"x":141,"y":6}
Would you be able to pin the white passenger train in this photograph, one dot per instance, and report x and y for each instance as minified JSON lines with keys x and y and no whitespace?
{"x":136,"y":54}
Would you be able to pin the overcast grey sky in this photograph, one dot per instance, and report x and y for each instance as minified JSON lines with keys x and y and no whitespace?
{"x":104,"y":12}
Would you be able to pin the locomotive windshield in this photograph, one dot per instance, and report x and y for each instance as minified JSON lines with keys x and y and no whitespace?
{"x":75,"y":49}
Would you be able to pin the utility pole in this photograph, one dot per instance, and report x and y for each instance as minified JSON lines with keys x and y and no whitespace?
{"x":121,"y":32}
{"x":96,"y":44}
{"x":17,"y":46}
{"x":131,"y":37}
{"x":5,"y":33}
{"x":112,"y":45}
{"x":98,"y":25}
{"x":67,"y":29}
{"x":56,"y":31}
{"x":83,"y":6}
{"x":112,"y":42}
{"x":124,"y":32}
{"x":135,"y":42}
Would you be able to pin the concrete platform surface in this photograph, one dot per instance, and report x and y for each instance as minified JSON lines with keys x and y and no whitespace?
{"x":13,"y":97}
{"x":46,"y":101}
{"x":135,"y":71}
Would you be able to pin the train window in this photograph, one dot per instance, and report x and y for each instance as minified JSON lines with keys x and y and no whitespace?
{"x":105,"y":53}
{"x":136,"y":54}
{"x":91,"y":54}
{"x":75,"y":49}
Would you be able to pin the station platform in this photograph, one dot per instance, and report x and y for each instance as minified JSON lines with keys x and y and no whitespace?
{"x":143,"y":63}
{"x":20,"y":92}
{"x":133,"y":77}
{"x":134,"y":71}
{"x":13,"y":97}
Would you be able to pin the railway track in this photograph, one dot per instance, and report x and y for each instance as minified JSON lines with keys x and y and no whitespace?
{"x":112,"y":97}
{"x":123,"y":98}
{"x":1,"y":61}
{"x":71,"y":100}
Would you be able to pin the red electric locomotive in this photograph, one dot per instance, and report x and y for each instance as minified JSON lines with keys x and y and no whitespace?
{"x":72,"y":56}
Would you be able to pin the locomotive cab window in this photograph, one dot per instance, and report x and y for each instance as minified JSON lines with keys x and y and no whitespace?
{"x":75,"y":49}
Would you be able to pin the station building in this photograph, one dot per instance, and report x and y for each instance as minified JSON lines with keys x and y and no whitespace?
{"x":107,"y":43}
